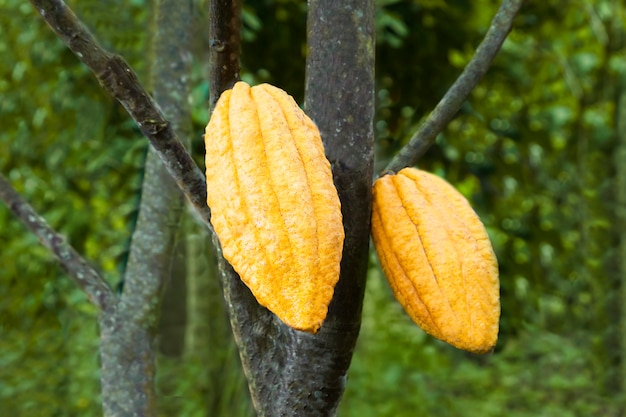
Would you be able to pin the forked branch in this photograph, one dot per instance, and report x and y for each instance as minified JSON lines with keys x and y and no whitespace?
{"x":87,"y":278}
{"x":460,"y":90}
{"x":119,"y":80}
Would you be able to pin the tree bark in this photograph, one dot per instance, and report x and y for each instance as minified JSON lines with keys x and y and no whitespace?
{"x":128,"y":332}
{"x":339,"y":97}
{"x":171,"y":75}
{"x":127,"y":370}
{"x":224,"y":46}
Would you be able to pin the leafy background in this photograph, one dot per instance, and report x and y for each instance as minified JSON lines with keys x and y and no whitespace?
{"x":536,"y":149}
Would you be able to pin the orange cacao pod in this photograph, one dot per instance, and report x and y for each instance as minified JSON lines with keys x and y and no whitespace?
{"x":273,"y":203}
{"x":437,"y":257}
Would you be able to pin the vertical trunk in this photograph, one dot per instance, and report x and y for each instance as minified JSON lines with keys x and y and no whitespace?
{"x":224,"y":42}
{"x":170,"y":80}
{"x":340,"y":99}
{"x":127,"y":366}
{"x":128,"y":330}
{"x":224,"y":373}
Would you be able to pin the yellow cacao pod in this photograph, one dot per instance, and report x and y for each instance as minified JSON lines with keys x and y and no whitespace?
{"x":437,"y":257}
{"x":273,"y":203}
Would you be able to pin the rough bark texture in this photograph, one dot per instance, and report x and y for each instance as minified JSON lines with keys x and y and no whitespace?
{"x":340,"y":99}
{"x":127,"y":372}
{"x":291,"y":373}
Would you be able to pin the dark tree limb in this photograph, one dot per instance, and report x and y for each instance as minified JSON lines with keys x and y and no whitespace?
{"x":86,"y":277}
{"x":452,"y":101}
{"x":339,"y":97}
{"x":224,"y":46}
{"x":119,"y":80}
{"x":254,"y":327}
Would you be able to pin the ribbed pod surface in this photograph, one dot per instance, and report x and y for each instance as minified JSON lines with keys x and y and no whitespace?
{"x":273,"y":203}
{"x":437,"y":257}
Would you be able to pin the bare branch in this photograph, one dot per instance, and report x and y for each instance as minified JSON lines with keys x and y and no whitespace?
{"x":225,"y":46}
{"x":460,"y":90}
{"x":87,"y":278}
{"x":119,"y":80}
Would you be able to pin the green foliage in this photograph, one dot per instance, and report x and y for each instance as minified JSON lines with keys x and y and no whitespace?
{"x":193,"y":393}
{"x":538,"y":140}
{"x":399,"y":371}
{"x":274,"y":48}
{"x":74,"y":156}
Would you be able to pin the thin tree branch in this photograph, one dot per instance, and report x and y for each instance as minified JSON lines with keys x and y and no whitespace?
{"x":225,"y":46}
{"x":119,"y":80}
{"x":87,"y":278}
{"x":460,"y":90}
